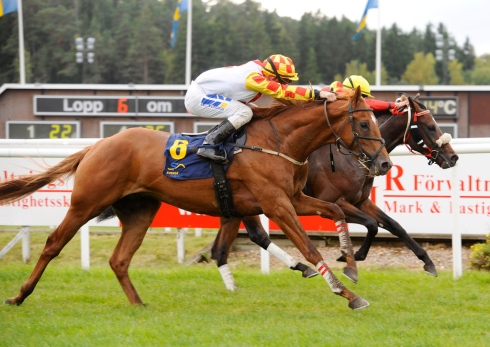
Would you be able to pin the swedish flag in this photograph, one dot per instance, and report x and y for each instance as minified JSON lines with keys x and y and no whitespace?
{"x":7,"y":6}
{"x":362,"y":24}
{"x":182,"y":6}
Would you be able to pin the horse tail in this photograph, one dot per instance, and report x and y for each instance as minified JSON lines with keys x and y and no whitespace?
{"x":16,"y":189}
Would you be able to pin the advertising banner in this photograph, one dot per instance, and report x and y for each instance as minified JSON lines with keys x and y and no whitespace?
{"x":423,"y":199}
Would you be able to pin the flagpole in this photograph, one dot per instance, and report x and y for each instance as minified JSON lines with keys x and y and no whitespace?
{"x":21,"y":43}
{"x":378,"y":48}
{"x":188,"y":44}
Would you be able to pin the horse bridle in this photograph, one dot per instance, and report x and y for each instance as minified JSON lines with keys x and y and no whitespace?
{"x":415,"y":133}
{"x":363,"y":157}
{"x":413,"y":130}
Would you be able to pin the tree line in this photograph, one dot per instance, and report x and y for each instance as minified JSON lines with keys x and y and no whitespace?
{"x":133,"y":44}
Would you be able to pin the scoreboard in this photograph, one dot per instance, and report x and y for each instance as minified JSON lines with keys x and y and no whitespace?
{"x":111,"y":128}
{"x":43,"y":130}
{"x":50,"y":105}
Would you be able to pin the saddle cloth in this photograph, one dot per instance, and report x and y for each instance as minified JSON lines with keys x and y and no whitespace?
{"x":182,"y":162}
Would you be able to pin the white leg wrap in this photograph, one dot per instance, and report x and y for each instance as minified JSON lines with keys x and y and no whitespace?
{"x":344,"y":238}
{"x":227,"y":277}
{"x":281,"y":255}
{"x":335,"y":285}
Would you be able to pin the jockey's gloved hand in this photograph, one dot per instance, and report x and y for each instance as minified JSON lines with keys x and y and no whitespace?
{"x":323,"y":94}
{"x":401,"y":103}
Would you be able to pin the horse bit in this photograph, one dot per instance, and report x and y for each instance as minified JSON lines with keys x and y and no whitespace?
{"x":362,"y":157}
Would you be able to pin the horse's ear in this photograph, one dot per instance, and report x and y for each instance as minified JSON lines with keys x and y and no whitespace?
{"x":357,"y":95}
{"x":411,"y":102}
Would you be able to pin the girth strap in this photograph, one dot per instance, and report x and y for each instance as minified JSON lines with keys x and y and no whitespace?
{"x":222,"y":188}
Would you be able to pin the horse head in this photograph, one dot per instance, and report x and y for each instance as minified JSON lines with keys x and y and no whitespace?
{"x":365,"y":141}
{"x":426,"y":138}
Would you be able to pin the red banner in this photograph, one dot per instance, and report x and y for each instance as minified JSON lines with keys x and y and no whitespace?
{"x":173,"y":217}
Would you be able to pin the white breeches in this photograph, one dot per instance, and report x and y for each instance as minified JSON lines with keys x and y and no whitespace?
{"x":205,"y":105}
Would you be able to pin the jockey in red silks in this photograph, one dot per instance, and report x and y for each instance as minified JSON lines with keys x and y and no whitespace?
{"x":355,"y":81}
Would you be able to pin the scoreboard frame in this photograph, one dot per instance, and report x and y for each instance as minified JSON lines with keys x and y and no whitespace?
{"x":57,"y":127}
{"x":103,"y":106}
{"x":168,"y":126}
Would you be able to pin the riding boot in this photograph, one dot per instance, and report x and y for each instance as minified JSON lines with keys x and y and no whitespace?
{"x":215,"y":136}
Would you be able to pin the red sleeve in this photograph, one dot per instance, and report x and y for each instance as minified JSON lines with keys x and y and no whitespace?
{"x":379,"y":105}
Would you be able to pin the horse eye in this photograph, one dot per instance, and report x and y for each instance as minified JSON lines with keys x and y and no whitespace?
{"x":364,"y":125}
{"x":432,"y":128}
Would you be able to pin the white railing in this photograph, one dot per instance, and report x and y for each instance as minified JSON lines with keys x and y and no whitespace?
{"x":13,"y":152}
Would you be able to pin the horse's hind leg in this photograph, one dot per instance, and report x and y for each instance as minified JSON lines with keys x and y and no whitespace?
{"x":136,"y":212}
{"x":227,"y":234}
{"x":72,"y":222}
{"x":220,"y":251}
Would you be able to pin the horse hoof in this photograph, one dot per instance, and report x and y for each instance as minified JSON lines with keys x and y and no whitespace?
{"x":342,"y":259}
{"x":10,"y":302}
{"x":358,"y":303}
{"x":232,"y":287}
{"x":431,"y":270}
{"x":309,"y":273}
{"x":351,"y":274}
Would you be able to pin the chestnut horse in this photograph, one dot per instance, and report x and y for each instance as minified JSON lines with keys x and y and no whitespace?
{"x":124,"y":172}
{"x":337,"y":178}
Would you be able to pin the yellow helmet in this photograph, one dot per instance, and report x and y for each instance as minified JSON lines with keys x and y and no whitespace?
{"x":280,"y":66}
{"x":336,"y":86}
{"x":355,"y":81}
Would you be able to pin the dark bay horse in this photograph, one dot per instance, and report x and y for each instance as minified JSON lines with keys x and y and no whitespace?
{"x":124,"y":172}
{"x":338,"y":178}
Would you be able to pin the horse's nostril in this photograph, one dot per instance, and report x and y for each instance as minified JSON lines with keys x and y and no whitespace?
{"x":454,"y":158}
{"x":386,"y":165}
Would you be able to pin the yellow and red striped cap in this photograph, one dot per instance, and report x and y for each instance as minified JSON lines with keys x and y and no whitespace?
{"x":281,"y":65}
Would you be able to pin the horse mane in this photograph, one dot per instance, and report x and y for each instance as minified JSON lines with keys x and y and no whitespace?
{"x":281,"y":105}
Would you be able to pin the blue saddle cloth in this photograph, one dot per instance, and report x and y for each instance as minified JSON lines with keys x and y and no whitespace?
{"x":182,"y":162}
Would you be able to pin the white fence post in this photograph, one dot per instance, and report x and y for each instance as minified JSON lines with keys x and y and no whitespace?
{"x":85,"y":246}
{"x":12,"y":243}
{"x":26,"y":244}
{"x":180,"y":245}
{"x":198,"y":232}
{"x":456,"y":235}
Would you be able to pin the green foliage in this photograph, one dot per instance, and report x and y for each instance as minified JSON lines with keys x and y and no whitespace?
{"x":455,"y":69}
{"x":481,"y":73}
{"x":133,"y":42}
{"x":310,"y":74}
{"x":480,"y":255}
{"x":421,"y":70}
{"x":355,"y":68}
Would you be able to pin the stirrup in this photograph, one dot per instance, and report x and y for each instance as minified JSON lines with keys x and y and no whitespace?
{"x":213,"y":154}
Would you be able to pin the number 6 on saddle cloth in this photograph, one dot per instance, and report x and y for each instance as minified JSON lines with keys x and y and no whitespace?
{"x":184,"y":164}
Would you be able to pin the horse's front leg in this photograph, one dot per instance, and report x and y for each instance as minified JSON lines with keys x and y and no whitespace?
{"x":260,"y":237}
{"x":283,"y":214}
{"x":371,"y":211}
{"x":308,"y":206}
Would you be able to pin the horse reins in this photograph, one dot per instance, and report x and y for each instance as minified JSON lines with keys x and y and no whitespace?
{"x":413,"y":125}
{"x":413,"y":130}
{"x":268,"y":151}
{"x":339,"y":142}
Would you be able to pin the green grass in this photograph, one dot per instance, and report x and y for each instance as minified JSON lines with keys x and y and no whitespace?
{"x":189,"y":306}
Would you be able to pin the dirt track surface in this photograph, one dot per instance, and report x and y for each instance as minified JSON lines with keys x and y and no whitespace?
{"x":378,"y":257}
